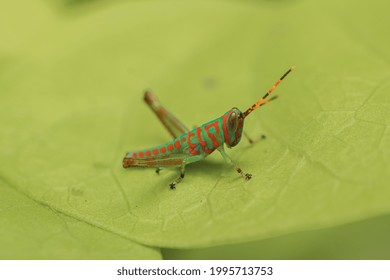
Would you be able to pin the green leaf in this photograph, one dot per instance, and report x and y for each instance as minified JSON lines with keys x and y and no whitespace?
{"x":71,"y":106}
{"x":30,"y":230}
{"x":368,"y":239}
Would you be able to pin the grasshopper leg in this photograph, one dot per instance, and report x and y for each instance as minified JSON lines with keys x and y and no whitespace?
{"x":171,"y":123}
{"x":178,"y":180}
{"x":246,"y":176}
{"x":186,"y":161}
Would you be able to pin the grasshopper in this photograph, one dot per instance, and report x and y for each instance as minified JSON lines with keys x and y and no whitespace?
{"x":189,"y":146}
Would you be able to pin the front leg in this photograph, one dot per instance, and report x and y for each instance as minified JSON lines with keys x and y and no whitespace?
{"x":246,"y":176}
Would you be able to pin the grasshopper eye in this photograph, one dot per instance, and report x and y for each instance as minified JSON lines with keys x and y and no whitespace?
{"x":233,"y":122}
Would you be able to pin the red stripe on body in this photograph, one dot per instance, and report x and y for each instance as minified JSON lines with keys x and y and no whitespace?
{"x":211,"y":135}
{"x":202,"y":142}
{"x":192,"y":146}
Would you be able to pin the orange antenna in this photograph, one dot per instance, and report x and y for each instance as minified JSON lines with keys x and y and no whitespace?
{"x":261,"y":102}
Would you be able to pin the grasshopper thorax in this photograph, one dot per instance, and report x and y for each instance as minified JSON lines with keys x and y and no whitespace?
{"x":233,"y":123}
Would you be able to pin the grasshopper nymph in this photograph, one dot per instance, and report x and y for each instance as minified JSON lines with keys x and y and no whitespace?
{"x":189,"y":146}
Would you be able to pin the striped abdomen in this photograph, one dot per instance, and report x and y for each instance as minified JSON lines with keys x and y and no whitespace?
{"x":155,"y":156}
{"x":202,"y":140}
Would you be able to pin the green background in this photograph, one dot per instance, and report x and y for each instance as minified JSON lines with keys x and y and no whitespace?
{"x":72,"y":74}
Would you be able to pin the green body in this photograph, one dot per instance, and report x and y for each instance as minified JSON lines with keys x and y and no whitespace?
{"x":188,"y":146}
{"x":191,"y":146}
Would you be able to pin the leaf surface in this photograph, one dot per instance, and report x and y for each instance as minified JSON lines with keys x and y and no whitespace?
{"x":71,"y":106}
{"x":30,"y":230}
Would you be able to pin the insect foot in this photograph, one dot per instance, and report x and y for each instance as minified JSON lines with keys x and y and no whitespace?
{"x":248,"y":176}
{"x":177,"y":181}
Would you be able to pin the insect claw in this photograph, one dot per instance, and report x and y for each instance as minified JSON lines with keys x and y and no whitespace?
{"x":248,"y":176}
{"x":177,"y":181}
{"x":158,"y":169}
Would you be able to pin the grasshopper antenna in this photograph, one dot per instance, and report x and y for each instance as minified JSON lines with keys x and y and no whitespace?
{"x":261,"y":102}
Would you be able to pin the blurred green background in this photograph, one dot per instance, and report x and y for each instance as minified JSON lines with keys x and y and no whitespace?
{"x":72,"y":75}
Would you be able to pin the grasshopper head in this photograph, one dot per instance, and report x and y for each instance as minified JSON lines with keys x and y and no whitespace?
{"x":233,"y":120}
{"x":233,"y":123}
